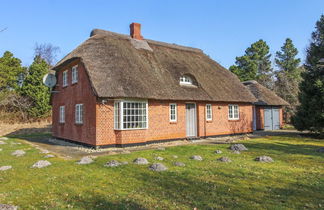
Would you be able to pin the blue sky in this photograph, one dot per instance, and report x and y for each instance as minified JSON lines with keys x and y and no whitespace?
{"x":222,"y":29}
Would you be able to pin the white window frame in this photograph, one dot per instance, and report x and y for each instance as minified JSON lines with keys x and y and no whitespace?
{"x":79,"y":113}
{"x":231,"y":112}
{"x":186,"y":80}
{"x":62,"y":114}
{"x":119,"y":114}
{"x":75,"y":75}
{"x":65,"y":78}
{"x":173,"y":114}
{"x":209,"y":112}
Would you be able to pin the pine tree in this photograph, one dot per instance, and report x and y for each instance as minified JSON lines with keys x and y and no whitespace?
{"x":255,"y":64}
{"x":288,"y":76}
{"x":310,"y":113}
{"x":34,"y":89}
{"x":10,"y":69}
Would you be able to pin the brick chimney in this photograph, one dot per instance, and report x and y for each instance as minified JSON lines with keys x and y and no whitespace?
{"x":135,"y":31}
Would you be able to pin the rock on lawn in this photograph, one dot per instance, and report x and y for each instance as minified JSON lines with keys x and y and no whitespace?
{"x":159,"y":158}
{"x":49,"y":156}
{"x":4,"y":138}
{"x":112,"y":163}
{"x":265,"y":159}
{"x":18,"y":153}
{"x":4,"y":168}
{"x":140,"y":161}
{"x":41,"y":164}
{"x":179,"y":164}
{"x":238,"y":147}
{"x":7,"y":207}
{"x":196,"y":157}
{"x":85,"y":160}
{"x":224,"y":159}
{"x":158,"y":167}
{"x":218,"y":152}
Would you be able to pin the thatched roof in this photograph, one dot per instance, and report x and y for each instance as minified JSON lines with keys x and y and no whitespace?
{"x":264,"y":95}
{"x":119,"y":66}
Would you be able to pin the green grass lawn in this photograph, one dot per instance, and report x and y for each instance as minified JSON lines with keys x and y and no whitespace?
{"x":294,"y":180}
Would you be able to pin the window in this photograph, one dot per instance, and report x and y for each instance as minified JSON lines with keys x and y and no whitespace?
{"x":65,"y":78}
{"x":173,"y":112}
{"x":209,"y":112}
{"x":185,"y":80}
{"x":233,"y":112}
{"x":74,"y":74}
{"x":79,"y":113}
{"x":130,"y":115}
{"x":62,"y":114}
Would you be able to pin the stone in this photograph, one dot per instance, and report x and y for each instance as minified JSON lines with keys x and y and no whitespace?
{"x":113,"y":163}
{"x":236,"y":152}
{"x":4,"y":138}
{"x":238,"y":147}
{"x":7,"y":207}
{"x":2,"y":142}
{"x":224,"y":159}
{"x":158,"y":167}
{"x":175,"y":156}
{"x":218,"y":152}
{"x":49,"y":156}
{"x":160,"y":148}
{"x":44,"y":151}
{"x":265,"y":159}
{"x":4,"y":168}
{"x":85,"y":160}
{"x":140,"y":161}
{"x":41,"y":164}
{"x":18,"y":153}
{"x":179,"y":164}
{"x":196,"y":157}
{"x":159,"y":158}
{"x":320,"y":149}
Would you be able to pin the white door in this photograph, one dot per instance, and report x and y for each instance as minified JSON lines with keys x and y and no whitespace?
{"x":191,"y":120}
{"x":271,"y":119}
{"x":254,"y":118}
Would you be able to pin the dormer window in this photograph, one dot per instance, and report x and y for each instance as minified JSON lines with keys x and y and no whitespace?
{"x":186,"y":80}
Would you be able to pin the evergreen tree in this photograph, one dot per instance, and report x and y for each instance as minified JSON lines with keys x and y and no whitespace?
{"x":288,"y":76}
{"x":35,"y":90}
{"x":255,"y":64}
{"x":10,"y":70}
{"x":310,"y":113}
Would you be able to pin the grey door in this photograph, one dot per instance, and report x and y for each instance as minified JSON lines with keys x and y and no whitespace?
{"x":267,"y":119}
{"x":191,"y":122}
{"x":275,"y":119}
{"x":271,"y":119}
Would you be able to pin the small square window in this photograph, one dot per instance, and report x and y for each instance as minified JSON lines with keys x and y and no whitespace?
{"x":233,"y":112}
{"x":173,"y":112}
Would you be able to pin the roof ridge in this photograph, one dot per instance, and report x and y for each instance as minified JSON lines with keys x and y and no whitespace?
{"x":150,"y":41}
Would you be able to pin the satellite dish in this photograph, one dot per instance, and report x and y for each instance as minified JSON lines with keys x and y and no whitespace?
{"x":49,"y":80}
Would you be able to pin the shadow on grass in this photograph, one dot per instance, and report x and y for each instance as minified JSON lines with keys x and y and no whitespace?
{"x":40,"y":135}
{"x":303,"y":149}
{"x":100,"y":202}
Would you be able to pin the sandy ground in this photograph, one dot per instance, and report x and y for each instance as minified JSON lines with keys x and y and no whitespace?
{"x":24,"y":128}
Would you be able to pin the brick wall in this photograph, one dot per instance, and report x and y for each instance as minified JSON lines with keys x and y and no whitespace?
{"x":79,"y":93}
{"x":160,"y":128}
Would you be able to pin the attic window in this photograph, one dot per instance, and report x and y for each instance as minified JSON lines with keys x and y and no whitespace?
{"x":186,"y":80}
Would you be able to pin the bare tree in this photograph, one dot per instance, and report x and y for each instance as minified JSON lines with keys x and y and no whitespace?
{"x":48,"y":52}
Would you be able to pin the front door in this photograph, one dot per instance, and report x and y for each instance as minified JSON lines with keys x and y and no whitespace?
{"x":191,"y":120}
{"x":275,"y":119}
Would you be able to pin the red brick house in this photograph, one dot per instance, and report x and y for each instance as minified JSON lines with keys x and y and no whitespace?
{"x":116,"y":90}
{"x":268,"y":113}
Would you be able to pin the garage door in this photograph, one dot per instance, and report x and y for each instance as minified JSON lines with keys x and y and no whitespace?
{"x":271,"y":119}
